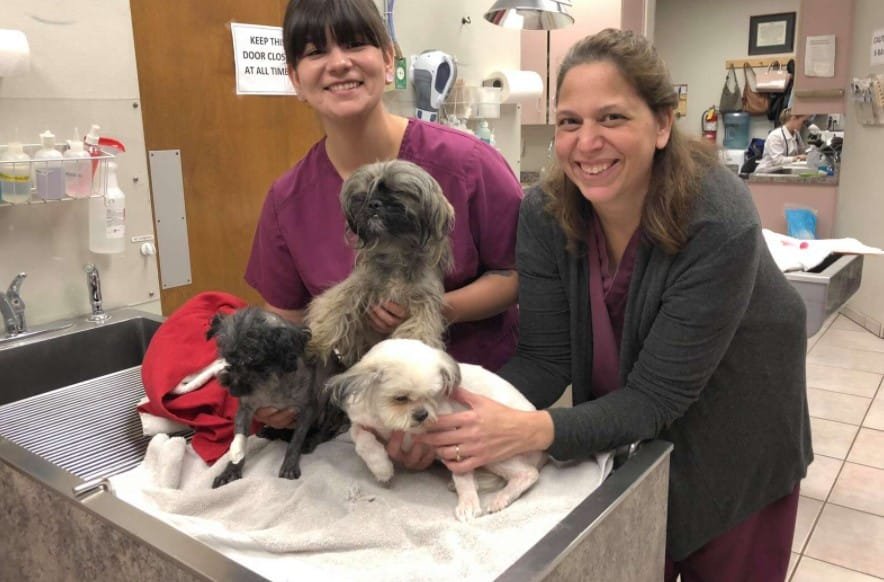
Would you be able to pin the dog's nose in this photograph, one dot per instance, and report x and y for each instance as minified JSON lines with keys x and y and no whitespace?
{"x":375,"y":204}
{"x":420,"y":415}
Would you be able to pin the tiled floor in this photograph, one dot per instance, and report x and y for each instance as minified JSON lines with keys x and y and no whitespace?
{"x":840,"y":531}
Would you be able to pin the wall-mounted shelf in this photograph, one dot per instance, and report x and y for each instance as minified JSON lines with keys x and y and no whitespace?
{"x":98,"y":162}
{"x":758,"y":62}
{"x":819,"y":93}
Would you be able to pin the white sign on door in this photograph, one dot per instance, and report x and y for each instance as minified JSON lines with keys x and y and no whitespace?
{"x":259,"y":59}
{"x":878,"y":47}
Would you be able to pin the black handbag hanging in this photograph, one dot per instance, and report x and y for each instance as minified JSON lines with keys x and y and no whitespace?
{"x":731,"y":100}
{"x":779,"y":101}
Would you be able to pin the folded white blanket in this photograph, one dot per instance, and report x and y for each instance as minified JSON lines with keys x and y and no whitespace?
{"x":792,"y":254}
{"x":337,"y":522}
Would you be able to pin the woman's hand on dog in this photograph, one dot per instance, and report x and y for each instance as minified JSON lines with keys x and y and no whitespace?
{"x":486,"y":433}
{"x":418,"y":458}
{"x":276,"y":418}
{"x":386,"y":317}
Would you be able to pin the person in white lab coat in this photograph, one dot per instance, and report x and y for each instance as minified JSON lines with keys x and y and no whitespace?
{"x":783,"y":144}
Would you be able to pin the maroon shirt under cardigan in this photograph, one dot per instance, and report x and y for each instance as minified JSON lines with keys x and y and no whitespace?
{"x":607,"y":306}
{"x":756,"y":549}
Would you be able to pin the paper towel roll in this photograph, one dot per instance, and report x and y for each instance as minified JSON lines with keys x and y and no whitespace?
{"x":515,"y":85}
{"x":15,"y":54}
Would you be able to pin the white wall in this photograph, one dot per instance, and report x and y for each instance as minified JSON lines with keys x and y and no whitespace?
{"x":82,"y":72}
{"x":861,"y":189}
{"x":696,"y":37}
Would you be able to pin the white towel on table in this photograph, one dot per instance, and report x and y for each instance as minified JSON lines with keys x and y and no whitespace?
{"x":793,"y":254}
{"x":338,"y":522}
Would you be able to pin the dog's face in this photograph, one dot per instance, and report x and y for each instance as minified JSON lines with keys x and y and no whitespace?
{"x":259,"y":347}
{"x":395,"y":202}
{"x":397,"y":385}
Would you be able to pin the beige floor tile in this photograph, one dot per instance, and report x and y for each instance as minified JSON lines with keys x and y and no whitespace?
{"x":846,"y":324}
{"x":830,"y":438}
{"x":849,"y":538}
{"x":852,"y":340}
{"x":875,"y":417}
{"x":808,"y":510}
{"x":868,"y":448}
{"x":842,"y":380}
{"x":793,"y":561}
{"x":810,"y":570}
{"x":821,"y":476}
{"x":835,"y":406}
{"x":829,"y":355}
{"x":859,"y":487}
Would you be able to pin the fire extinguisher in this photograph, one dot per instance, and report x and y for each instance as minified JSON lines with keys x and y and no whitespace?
{"x":709,"y":123}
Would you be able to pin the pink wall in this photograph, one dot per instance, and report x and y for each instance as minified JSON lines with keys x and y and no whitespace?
{"x":823,"y":17}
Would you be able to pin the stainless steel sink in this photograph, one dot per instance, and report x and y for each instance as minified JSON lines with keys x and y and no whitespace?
{"x":37,"y":364}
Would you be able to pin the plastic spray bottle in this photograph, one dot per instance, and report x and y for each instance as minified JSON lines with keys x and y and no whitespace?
{"x":15,"y":174}
{"x":107,"y":217}
{"x":48,"y":171}
{"x":77,"y":169}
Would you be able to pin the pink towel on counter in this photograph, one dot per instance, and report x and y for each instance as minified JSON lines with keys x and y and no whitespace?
{"x":178,"y":350}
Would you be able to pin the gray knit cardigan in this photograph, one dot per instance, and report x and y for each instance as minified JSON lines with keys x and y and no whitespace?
{"x":712,"y":359}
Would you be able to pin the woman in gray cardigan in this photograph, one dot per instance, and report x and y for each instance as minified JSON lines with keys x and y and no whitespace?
{"x":645,"y":283}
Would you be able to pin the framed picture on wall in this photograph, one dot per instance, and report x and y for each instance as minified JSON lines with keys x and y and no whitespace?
{"x":772,"y":33}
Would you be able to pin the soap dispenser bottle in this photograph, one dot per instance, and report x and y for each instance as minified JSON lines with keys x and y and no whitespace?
{"x":484,"y":131}
{"x":107,"y":217}
{"x":48,"y":171}
{"x":15,"y":174}
{"x":77,"y":169}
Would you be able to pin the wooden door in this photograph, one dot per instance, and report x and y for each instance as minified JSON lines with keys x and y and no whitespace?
{"x":232,"y":147}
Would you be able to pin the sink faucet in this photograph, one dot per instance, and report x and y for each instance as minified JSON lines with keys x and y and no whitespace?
{"x":12,"y":307}
{"x":93,"y":281}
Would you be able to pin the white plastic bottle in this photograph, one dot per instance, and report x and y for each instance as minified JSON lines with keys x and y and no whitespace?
{"x":107,"y":217}
{"x":77,"y":170}
{"x":48,"y":170}
{"x":484,"y":132}
{"x":15,"y":174}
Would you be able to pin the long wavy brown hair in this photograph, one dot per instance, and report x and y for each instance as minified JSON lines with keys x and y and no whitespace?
{"x":678,"y":168}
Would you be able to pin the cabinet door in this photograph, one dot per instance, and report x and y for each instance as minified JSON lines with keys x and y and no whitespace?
{"x":817,"y":18}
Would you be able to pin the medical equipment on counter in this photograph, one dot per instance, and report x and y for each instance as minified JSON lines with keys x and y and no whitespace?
{"x":433,"y":73}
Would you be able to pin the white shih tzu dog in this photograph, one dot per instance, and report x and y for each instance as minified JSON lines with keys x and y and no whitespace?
{"x":404,"y":384}
{"x":400,"y":222}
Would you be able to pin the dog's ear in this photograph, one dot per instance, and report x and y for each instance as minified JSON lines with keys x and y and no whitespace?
{"x":349,"y":387}
{"x":291,"y":341}
{"x":449,"y":371}
{"x":215,"y":326}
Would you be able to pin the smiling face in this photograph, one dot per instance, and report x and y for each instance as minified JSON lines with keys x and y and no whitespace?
{"x":606,"y":136}
{"x":343,"y":80}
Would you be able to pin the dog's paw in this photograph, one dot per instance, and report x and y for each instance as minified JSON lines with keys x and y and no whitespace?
{"x":290,"y":470}
{"x":499,"y":501}
{"x":231,"y":473}
{"x":382,"y":470}
{"x":468,"y":509}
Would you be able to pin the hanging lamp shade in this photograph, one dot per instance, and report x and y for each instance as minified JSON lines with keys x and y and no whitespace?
{"x":530,"y":14}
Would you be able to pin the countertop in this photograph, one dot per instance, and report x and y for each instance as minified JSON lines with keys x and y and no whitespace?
{"x":790,"y":179}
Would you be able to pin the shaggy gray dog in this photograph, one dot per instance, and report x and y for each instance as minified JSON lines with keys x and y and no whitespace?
{"x":400,"y":221}
{"x":266,"y":366}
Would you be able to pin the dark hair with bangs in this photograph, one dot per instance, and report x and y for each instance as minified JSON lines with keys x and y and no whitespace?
{"x":349,"y":21}
{"x":677,"y":169}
